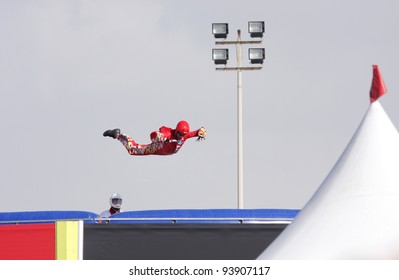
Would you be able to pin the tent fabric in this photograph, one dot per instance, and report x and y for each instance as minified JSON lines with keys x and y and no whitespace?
{"x":46,"y":216}
{"x":205,"y":215}
{"x":354,"y":212}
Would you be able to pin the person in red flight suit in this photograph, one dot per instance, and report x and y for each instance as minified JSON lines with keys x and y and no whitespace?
{"x":165,"y":141}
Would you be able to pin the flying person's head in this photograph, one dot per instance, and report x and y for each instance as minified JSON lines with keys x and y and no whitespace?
{"x":182,"y":129}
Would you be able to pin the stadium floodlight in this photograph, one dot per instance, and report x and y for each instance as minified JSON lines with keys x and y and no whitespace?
{"x":220,"y":56}
{"x":256,"y":55}
{"x":256,"y":28}
{"x":220,"y":30}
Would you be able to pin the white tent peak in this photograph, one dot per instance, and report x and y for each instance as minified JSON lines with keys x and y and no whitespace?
{"x":354,"y":212}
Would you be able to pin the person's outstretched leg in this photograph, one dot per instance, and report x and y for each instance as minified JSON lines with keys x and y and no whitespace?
{"x":131,"y":146}
{"x":140,"y":149}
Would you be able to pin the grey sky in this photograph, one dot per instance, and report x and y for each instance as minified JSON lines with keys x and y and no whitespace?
{"x":72,"y":69}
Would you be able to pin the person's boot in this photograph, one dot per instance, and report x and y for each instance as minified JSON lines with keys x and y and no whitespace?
{"x":112,"y":133}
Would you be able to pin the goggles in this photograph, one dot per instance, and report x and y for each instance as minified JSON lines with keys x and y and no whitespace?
{"x":116,"y":201}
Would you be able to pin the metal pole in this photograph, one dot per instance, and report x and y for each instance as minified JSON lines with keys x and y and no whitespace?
{"x":239,"y":69}
{"x":240,"y":180}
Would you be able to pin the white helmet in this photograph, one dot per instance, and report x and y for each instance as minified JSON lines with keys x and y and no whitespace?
{"x":116,"y":201}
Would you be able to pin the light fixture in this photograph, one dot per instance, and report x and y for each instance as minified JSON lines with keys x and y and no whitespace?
{"x":256,"y":28}
{"x":256,"y":55}
{"x":220,"y":30}
{"x":220,"y":56}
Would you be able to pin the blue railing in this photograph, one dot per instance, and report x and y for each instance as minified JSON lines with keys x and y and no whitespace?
{"x":181,"y":216}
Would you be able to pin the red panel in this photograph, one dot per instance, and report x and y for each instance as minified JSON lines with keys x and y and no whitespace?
{"x":27,"y":242}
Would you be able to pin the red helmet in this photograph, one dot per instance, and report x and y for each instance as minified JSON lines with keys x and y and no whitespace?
{"x":182,"y":128}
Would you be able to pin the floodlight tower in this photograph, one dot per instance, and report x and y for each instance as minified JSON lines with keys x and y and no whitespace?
{"x":255,"y":56}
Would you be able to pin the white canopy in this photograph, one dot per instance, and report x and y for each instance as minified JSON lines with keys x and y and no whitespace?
{"x":354,"y":214}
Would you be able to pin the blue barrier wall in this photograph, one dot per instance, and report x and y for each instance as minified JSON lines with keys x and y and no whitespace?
{"x":204,"y":216}
{"x":46,"y":216}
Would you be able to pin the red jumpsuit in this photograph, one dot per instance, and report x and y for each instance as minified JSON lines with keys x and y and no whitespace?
{"x":164,"y":142}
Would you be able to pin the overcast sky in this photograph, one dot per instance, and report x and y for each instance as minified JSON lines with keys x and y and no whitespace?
{"x":71,"y":69}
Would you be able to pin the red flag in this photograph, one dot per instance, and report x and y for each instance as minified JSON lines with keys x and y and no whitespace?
{"x":377,"y":86}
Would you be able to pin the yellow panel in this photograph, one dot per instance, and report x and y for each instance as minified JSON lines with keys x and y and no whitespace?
{"x":67,"y":238}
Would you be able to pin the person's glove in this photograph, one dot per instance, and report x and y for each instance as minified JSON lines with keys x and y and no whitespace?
{"x":201,"y":134}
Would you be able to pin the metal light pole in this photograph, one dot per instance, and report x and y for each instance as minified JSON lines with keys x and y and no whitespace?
{"x":240,"y":169}
{"x":239,"y":69}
